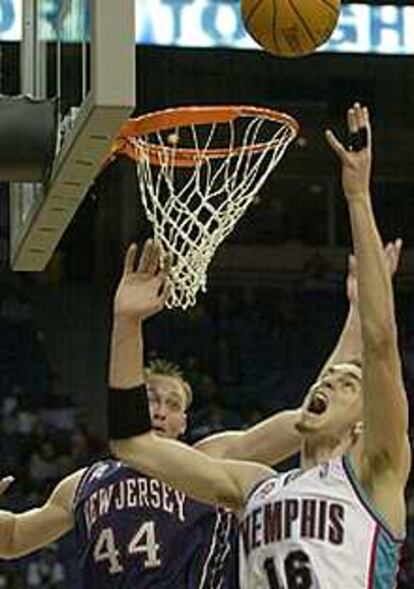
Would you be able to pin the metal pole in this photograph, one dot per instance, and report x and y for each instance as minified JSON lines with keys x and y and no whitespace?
{"x":28,"y":53}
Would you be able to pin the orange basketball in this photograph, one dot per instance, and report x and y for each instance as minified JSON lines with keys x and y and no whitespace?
{"x":290,"y":28}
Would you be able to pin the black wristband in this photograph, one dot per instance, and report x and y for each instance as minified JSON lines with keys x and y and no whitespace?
{"x":128,"y":412}
{"x":358,"y":140}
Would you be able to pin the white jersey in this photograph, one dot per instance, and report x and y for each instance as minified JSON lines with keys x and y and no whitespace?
{"x":315,"y":529}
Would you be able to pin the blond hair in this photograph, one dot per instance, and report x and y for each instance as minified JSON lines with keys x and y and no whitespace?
{"x":165,"y":368}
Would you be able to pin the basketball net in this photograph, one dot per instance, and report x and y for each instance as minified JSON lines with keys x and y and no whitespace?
{"x":197,"y":179}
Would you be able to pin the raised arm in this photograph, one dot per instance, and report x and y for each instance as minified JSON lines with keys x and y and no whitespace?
{"x":269,"y":442}
{"x":384,"y":460}
{"x":23,"y":533}
{"x":276,"y":438}
{"x":349,"y":345}
{"x":141,"y":293}
{"x":210,"y":480}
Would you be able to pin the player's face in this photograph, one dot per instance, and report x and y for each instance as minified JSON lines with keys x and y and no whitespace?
{"x":334,"y":404}
{"x":167,"y":403}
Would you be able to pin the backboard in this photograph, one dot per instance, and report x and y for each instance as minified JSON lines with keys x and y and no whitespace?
{"x":83,"y":52}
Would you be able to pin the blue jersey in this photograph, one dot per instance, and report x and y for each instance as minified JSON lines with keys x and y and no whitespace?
{"x":135,"y":532}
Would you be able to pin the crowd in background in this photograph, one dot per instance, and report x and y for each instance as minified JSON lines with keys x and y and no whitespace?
{"x":246,"y":352}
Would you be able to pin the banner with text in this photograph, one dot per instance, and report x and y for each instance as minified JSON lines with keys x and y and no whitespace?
{"x":217,"y":23}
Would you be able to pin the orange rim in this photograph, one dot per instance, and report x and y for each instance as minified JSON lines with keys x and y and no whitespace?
{"x":186,"y":116}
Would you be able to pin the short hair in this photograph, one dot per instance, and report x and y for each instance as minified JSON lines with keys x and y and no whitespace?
{"x":352,"y":361}
{"x":355,"y":362}
{"x":165,"y":368}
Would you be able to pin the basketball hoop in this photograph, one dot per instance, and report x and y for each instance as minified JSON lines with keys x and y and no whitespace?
{"x":199,"y":168}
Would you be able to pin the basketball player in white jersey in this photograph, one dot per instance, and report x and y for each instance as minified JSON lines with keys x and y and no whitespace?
{"x":338,"y":521}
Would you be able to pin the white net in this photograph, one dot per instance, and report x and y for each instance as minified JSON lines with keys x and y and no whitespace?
{"x":194,"y":207}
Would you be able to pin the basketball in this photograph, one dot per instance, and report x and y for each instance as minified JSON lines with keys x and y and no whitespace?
{"x":290,"y":28}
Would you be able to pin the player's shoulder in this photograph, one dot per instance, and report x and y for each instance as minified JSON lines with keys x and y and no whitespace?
{"x":93,"y":475}
{"x":273,"y":483}
{"x":266,"y":486}
{"x":63,"y":495}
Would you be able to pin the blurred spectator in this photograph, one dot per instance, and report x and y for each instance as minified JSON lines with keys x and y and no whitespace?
{"x":42,"y":465}
{"x":406,"y":573}
{"x":14,"y":307}
{"x":209,"y":421}
{"x":84,"y":447}
{"x":46,"y":572}
{"x":57,"y":410}
{"x":11,"y":579}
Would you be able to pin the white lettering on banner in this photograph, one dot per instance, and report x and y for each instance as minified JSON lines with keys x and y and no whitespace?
{"x":361,"y":28}
{"x":368,"y":29}
{"x":186,"y":23}
{"x":388,"y":30}
{"x":352,"y":31}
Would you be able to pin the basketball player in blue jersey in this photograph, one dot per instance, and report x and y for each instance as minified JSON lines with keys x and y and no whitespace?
{"x":339,"y":520}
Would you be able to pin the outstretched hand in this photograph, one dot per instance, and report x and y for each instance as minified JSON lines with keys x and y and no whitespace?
{"x":143,"y":290}
{"x":356,"y":158}
{"x":392,"y":253}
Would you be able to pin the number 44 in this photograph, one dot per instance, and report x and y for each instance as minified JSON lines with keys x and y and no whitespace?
{"x":143,"y":542}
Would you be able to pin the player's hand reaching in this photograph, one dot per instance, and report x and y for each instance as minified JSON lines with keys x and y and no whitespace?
{"x":356,"y":157}
{"x":5,"y":483}
{"x":143,"y":289}
{"x":392,"y":253}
